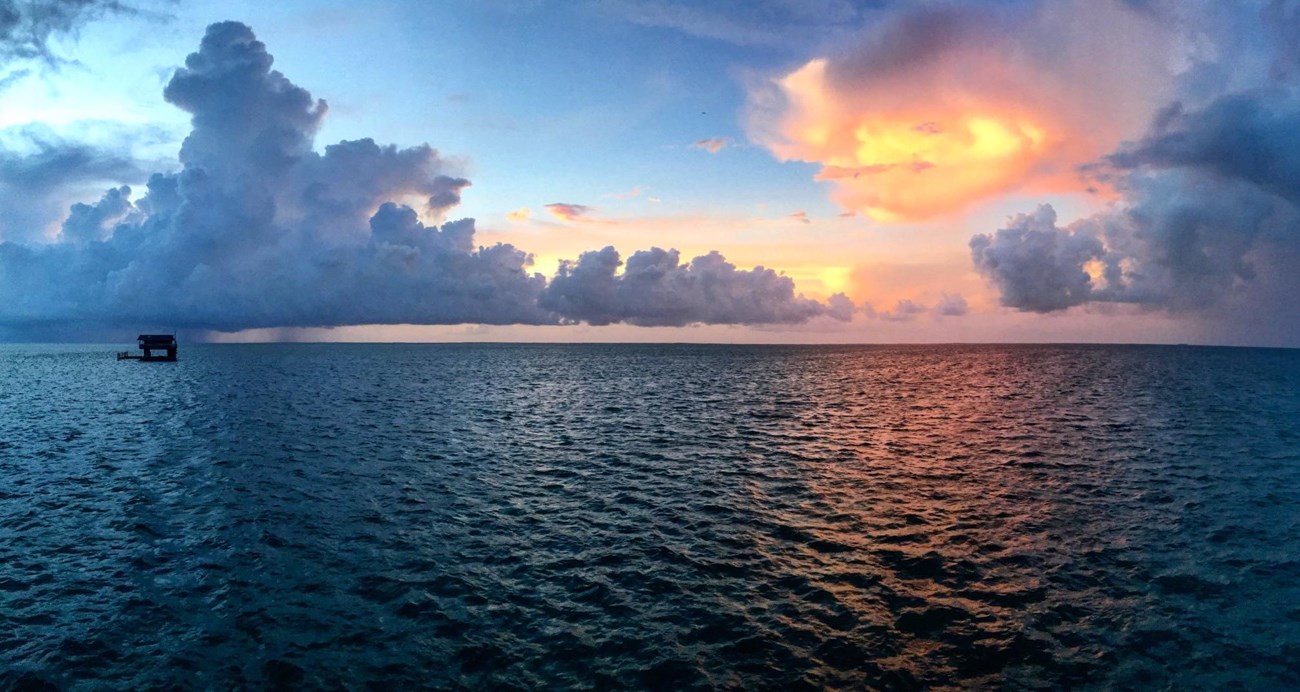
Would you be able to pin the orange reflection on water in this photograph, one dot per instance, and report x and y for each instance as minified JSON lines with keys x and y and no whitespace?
{"x":918,"y":513}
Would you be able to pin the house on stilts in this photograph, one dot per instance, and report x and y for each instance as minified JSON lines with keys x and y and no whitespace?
{"x":155,"y":347}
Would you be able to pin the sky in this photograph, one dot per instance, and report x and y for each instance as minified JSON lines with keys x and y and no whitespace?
{"x":782,"y":171}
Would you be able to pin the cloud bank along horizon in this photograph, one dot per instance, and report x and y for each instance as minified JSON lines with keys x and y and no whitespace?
{"x":257,"y":229}
{"x":1176,"y":123}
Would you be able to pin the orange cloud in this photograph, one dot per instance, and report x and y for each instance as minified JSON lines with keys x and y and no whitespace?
{"x":567,"y":212}
{"x":520,"y":214}
{"x":712,"y":145}
{"x":945,"y":106}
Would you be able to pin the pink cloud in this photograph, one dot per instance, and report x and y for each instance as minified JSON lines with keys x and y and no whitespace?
{"x":712,"y":145}
{"x":568,"y":212}
{"x":940,"y":105}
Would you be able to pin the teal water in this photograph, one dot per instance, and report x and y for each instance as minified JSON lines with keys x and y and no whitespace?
{"x":675,"y":516}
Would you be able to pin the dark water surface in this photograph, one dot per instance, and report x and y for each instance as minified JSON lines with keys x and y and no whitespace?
{"x":650,"y":516}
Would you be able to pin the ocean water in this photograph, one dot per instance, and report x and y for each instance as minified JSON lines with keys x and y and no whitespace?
{"x":660,"y":516}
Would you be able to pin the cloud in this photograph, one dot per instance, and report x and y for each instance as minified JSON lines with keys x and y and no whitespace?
{"x":1182,"y":242}
{"x":519,"y":215}
{"x":940,"y":105}
{"x":1035,"y":265}
{"x":568,"y":212}
{"x":800,"y":216}
{"x":1253,"y":137}
{"x":656,"y":289}
{"x":951,"y":305}
{"x":258,"y":229}
{"x":770,"y":23}
{"x":13,"y":78}
{"x":94,"y":222}
{"x":712,"y":145}
{"x":904,"y":311}
{"x":840,"y":308}
{"x":39,"y":170}
{"x":28,"y":26}
{"x":1208,"y":218}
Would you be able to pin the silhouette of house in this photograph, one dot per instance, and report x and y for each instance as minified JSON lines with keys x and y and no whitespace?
{"x":150,"y":345}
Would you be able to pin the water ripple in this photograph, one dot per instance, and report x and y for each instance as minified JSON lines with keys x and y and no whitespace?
{"x":650,"y":516}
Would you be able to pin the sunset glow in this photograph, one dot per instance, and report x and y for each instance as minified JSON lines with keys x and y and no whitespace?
{"x":1018,"y":170}
{"x":649,"y":344}
{"x":914,"y":164}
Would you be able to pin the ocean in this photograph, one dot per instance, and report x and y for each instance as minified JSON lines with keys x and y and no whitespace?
{"x":650,"y":516}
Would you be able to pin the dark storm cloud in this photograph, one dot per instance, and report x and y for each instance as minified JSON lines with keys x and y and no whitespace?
{"x":1252,"y":137}
{"x":258,"y":229}
{"x":1186,"y":241}
{"x":1210,"y":202}
{"x":657,"y":289}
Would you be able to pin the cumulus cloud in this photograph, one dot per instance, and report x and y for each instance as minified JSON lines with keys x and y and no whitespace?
{"x":1035,"y":265}
{"x":904,"y":311}
{"x":568,"y":212}
{"x":1182,"y":241}
{"x":938,"y":105}
{"x":39,"y":169}
{"x":951,"y":305}
{"x":712,"y":145}
{"x":1208,"y":220}
{"x":94,"y":222}
{"x":260,"y":229}
{"x":657,"y":289}
{"x":839,"y":307}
